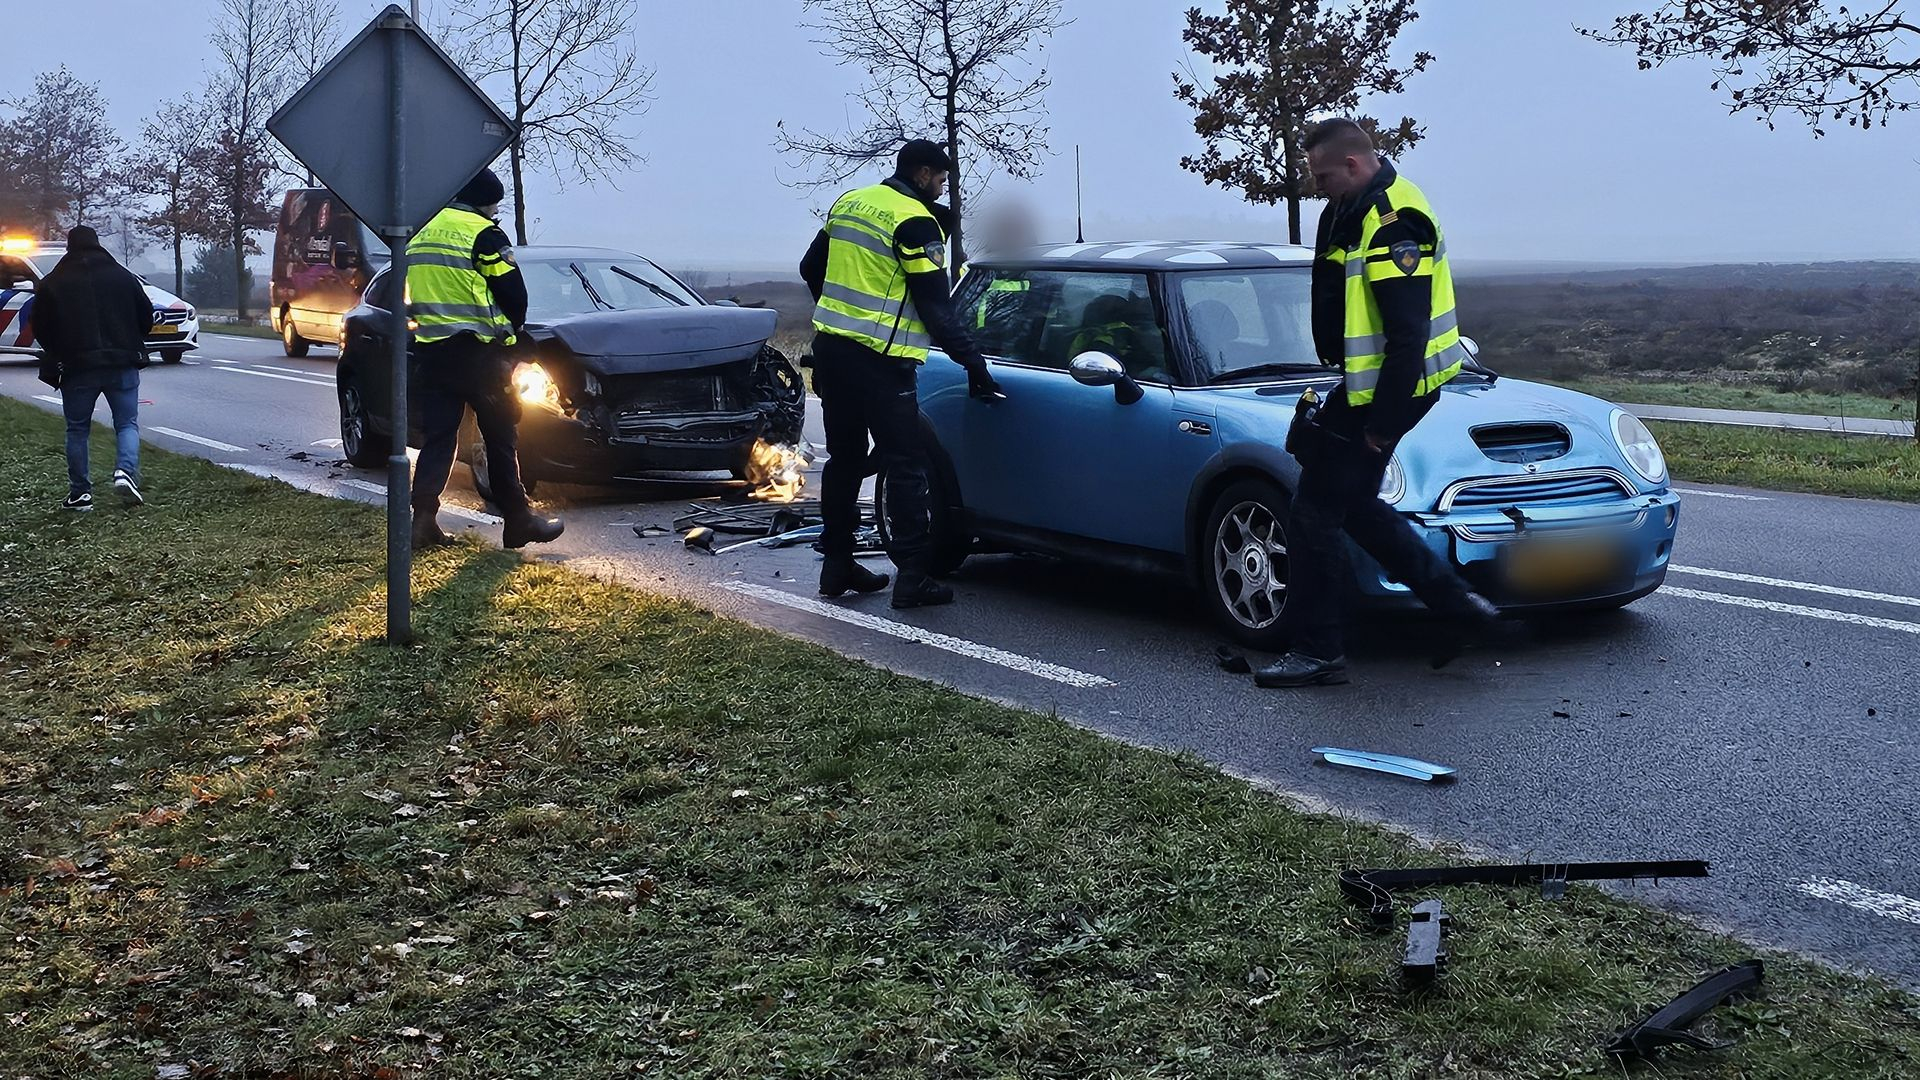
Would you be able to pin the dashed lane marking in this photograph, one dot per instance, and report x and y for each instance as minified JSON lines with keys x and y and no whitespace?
{"x":201,"y":439}
{"x":957,"y":646}
{"x":1791,"y":609}
{"x":294,"y":371}
{"x":1804,"y":586}
{"x":1860,"y":898}
{"x":271,"y":375}
{"x":1720,"y":494}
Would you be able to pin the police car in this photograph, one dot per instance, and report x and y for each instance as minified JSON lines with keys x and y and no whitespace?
{"x":176,"y":326}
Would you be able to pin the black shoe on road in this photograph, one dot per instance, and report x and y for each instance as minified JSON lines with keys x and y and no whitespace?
{"x":428,"y":534}
{"x":917,"y":591}
{"x":1299,"y":669}
{"x":531,"y":529}
{"x":838,"y":577}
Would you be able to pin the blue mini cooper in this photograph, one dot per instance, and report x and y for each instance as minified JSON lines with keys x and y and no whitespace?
{"x":1149,"y":391}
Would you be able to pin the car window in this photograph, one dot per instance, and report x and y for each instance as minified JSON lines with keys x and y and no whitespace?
{"x":633,"y":284}
{"x":380,"y":291}
{"x":1046,"y":318}
{"x":15,"y":274}
{"x":554,"y":290}
{"x":1244,"y":320}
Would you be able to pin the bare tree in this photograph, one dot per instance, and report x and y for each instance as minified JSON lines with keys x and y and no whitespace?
{"x":1820,"y":61}
{"x":1277,"y":65}
{"x":572,"y":77}
{"x":310,"y":35}
{"x":63,"y":152}
{"x":956,"y":71}
{"x":169,"y":172}
{"x":248,"y":80}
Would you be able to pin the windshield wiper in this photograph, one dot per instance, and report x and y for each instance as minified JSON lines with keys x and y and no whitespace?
{"x":657,"y":290}
{"x":592,"y":293}
{"x":1271,"y":369}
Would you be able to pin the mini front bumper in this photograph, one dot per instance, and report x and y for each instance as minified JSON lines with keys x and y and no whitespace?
{"x":554,"y":446}
{"x":1635,"y":536}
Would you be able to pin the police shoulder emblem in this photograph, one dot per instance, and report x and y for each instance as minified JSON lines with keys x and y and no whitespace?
{"x":1405,"y":255}
{"x":937,"y":254}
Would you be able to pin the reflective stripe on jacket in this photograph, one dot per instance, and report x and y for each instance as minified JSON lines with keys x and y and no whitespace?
{"x":1366,"y":337}
{"x":447,"y":291}
{"x":865,"y":295}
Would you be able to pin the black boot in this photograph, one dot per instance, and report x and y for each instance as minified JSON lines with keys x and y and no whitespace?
{"x":427,"y":532}
{"x":531,"y":529}
{"x":845,"y":575}
{"x":1479,"y":624}
{"x":919,"y":590}
{"x":1299,"y":669}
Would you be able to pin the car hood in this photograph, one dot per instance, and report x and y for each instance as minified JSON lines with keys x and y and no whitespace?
{"x":161,"y":298}
{"x":660,"y":339}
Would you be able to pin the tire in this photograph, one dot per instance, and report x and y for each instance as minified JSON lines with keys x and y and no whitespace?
{"x":362,"y":446}
{"x":171,"y":356}
{"x":1243,"y":567}
{"x":947,"y":546}
{"x":472,"y":449}
{"x":290,"y":340}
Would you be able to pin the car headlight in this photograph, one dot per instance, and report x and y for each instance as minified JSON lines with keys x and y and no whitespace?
{"x":1394,"y":484}
{"x":1639,"y":446}
{"x":533,"y":385}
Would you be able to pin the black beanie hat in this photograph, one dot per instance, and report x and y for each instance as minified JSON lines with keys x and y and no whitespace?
{"x":483,"y":190}
{"x":82,"y":237}
{"x":922,"y":153}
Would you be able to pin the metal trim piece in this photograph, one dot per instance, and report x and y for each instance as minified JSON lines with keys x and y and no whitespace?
{"x":1454,"y":490}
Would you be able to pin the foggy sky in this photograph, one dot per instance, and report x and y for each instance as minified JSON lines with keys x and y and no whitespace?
{"x":1541,"y":145}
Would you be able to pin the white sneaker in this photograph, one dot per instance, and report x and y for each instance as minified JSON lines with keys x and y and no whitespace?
{"x":82,"y":502}
{"x":123,"y":484}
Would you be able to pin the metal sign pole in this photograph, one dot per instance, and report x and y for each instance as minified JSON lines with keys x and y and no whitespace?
{"x":399,"y":503}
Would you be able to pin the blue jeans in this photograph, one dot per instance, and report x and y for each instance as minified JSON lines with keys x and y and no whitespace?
{"x":79,"y":390}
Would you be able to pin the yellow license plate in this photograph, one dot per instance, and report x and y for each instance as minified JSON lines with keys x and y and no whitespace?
{"x":164,"y":330}
{"x":1546,"y":567}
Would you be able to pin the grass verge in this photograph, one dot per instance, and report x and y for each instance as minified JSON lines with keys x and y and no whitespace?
{"x":1863,"y":466}
{"x":1704,"y":395}
{"x":581,"y":831}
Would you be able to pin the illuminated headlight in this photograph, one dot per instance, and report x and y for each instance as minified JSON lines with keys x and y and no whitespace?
{"x":1638,"y":445}
{"x":1394,"y":484}
{"x":533,"y":386}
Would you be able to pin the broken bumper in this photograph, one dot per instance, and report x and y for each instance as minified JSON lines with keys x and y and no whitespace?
{"x":554,"y":446}
{"x":1545,"y":557}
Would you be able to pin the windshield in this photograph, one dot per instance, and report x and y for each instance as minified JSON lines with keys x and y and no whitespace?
{"x":560,"y":287}
{"x":1250,"y":324}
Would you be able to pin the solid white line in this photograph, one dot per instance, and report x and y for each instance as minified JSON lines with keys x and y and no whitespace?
{"x":456,"y":511}
{"x":958,"y":646}
{"x":49,"y":398}
{"x":271,"y":375}
{"x":222,"y":360}
{"x":1783,"y":583}
{"x":1719,"y":494}
{"x":331,"y":444}
{"x":1861,"y":898}
{"x":214,"y":443}
{"x":295,"y":371}
{"x":1791,"y":609}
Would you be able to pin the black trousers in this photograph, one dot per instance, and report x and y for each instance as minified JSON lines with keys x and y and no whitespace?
{"x":453,"y":376}
{"x":1340,"y":492}
{"x":864,"y":394}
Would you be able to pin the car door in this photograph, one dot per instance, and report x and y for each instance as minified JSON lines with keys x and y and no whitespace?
{"x":370,"y":343}
{"x":17,"y":278}
{"x":1057,"y":455}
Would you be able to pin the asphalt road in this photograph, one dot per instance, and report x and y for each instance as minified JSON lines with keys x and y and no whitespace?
{"x":1758,"y":712}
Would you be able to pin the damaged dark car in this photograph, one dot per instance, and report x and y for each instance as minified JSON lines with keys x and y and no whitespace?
{"x":625,"y":374}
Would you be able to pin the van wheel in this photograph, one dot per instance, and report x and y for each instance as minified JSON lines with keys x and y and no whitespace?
{"x":290,"y":340}
{"x":362,"y":446}
{"x":1243,"y":563}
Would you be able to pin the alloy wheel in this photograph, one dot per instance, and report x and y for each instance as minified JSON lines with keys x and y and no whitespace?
{"x":1250,"y":564}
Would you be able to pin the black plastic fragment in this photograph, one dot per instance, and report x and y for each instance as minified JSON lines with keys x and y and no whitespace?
{"x":1373,"y":889}
{"x":1426,"y":952}
{"x":1667,"y":1025}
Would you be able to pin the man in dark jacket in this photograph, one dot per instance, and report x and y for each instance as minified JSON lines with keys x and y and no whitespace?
{"x":92,"y":317}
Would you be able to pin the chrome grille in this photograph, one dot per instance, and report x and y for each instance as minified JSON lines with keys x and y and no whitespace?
{"x":1575,"y":487}
{"x":169,"y":318}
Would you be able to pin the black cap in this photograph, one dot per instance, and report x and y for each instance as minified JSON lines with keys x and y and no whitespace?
{"x":922,"y":153}
{"x":83,"y":236}
{"x":483,"y":190}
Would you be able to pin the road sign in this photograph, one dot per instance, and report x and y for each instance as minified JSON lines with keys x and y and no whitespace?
{"x":395,"y":129}
{"x":340,"y":125}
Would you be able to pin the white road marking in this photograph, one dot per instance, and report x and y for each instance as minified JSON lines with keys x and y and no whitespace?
{"x":222,"y":360}
{"x":271,"y":375}
{"x":1804,"y":586}
{"x":1791,"y":609}
{"x":456,"y":511}
{"x":958,"y":646}
{"x":1719,"y":494}
{"x":202,"y":440}
{"x":295,"y":371}
{"x":49,"y":398}
{"x":1859,"y":897}
{"x":331,"y":444}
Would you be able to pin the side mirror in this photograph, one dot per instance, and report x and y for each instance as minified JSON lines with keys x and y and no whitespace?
{"x":1472,"y":347}
{"x":1101,"y":369}
{"x":726,"y":303}
{"x":342,"y":256}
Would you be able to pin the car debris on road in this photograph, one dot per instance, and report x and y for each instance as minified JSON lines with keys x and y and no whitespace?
{"x":1667,"y":1025}
{"x":1425,"y":955}
{"x":1392,"y":764}
{"x":1373,"y":889}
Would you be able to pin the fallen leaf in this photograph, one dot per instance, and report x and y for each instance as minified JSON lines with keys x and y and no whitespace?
{"x":191,"y":862}
{"x":159,"y":815}
{"x":63,"y":867}
{"x":304,"y":1000}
